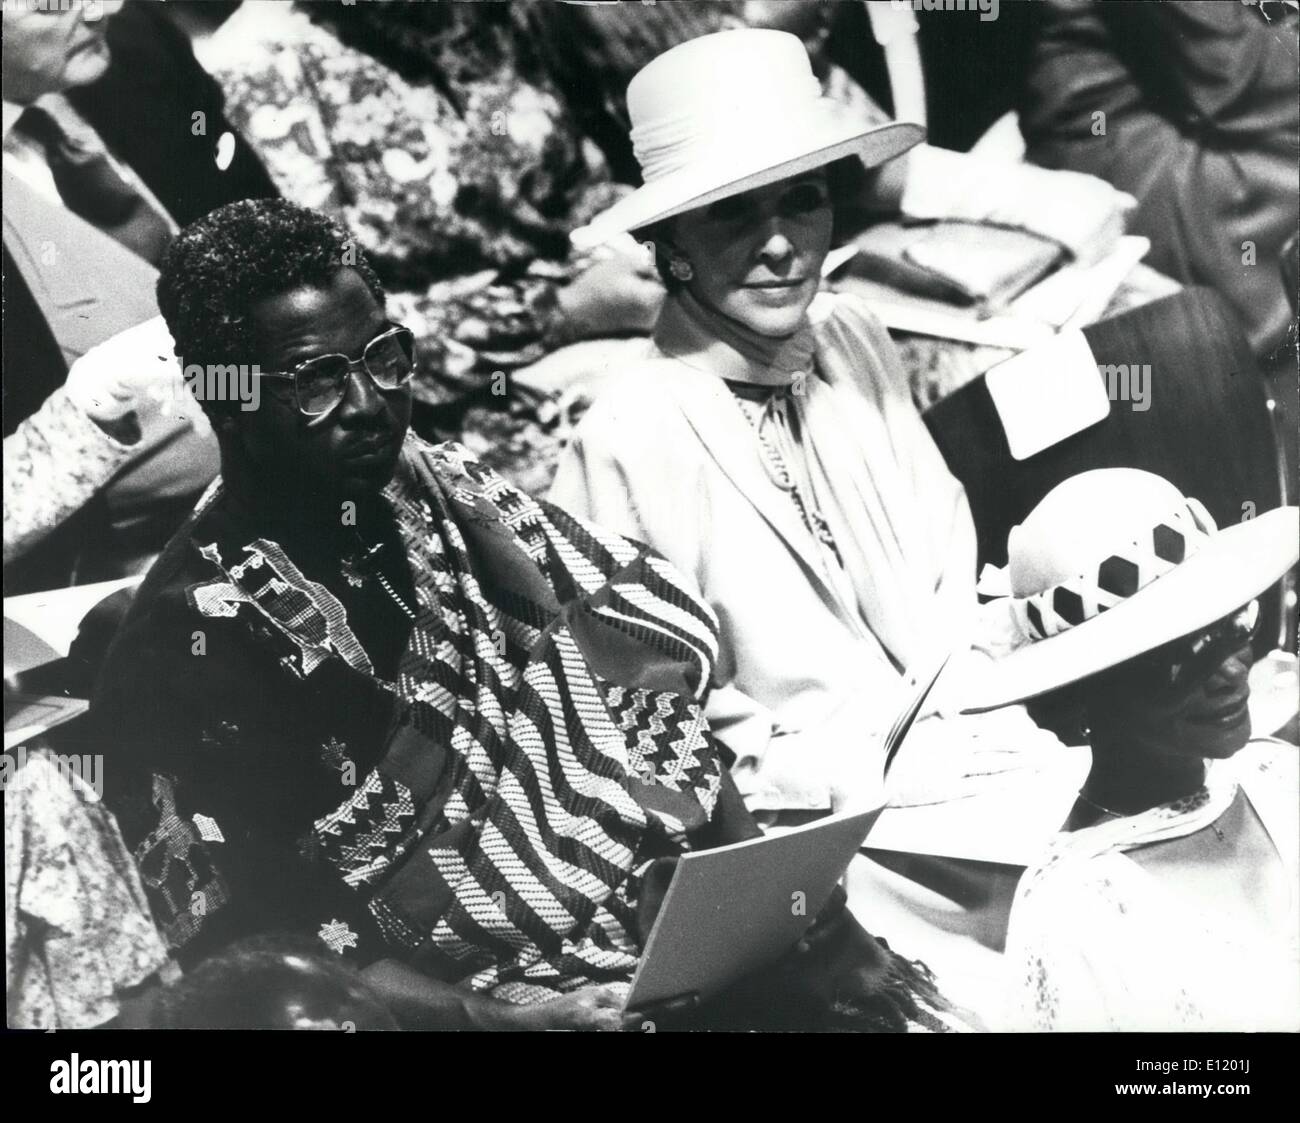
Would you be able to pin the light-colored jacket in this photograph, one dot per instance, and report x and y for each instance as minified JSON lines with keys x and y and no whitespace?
{"x":666,"y":455}
{"x":89,"y":288}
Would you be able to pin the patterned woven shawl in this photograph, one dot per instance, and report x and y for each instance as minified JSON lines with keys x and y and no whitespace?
{"x":561,"y":669}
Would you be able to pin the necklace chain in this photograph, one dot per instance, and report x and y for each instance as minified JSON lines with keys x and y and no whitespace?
{"x":358,"y":570}
{"x":392,"y":593}
{"x":1104,"y":810}
{"x":1218,"y":831}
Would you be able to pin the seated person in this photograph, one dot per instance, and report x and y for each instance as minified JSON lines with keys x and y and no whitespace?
{"x":87,"y":430}
{"x":769,"y":446}
{"x":193,"y":161}
{"x":1168,"y":902}
{"x":431,"y":131}
{"x":374,"y":693}
{"x":594,"y":51}
{"x":90,"y":494}
{"x":1192,"y":108}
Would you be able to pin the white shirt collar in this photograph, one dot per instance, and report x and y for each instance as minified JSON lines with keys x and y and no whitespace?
{"x":11,"y":114}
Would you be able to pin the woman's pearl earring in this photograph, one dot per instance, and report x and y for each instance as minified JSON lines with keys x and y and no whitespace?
{"x":680,"y":268}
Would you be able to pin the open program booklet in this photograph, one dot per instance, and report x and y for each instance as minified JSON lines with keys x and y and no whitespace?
{"x":39,"y":629}
{"x":730,"y":910}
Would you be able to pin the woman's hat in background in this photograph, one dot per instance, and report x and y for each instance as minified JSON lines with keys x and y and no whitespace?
{"x":728,"y":112}
{"x":1114,"y":563}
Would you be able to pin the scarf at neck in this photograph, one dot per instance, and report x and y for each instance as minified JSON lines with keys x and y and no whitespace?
{"x":737,"y":353}
{"x":870,"y":469}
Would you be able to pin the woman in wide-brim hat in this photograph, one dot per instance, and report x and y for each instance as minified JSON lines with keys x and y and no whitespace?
{"x":769,"y":445}
{"x":1169,"y":899}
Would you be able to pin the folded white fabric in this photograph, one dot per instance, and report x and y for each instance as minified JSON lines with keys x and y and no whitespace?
{"x":1083,"y":213}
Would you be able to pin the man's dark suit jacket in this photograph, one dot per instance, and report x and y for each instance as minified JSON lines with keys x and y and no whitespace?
{"x":144,"y":107}
{"x":1192,"y":109}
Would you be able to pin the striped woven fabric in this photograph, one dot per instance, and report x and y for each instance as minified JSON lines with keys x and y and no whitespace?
{"x":563,"y":667}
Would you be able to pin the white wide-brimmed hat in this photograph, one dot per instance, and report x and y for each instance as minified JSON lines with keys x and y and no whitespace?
{"x":1114,"y":563}
{"x":728,"y":112}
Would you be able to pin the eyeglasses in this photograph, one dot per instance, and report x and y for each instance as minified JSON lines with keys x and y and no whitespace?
{"x":1185,"y":663}
{"x":321,"y":383}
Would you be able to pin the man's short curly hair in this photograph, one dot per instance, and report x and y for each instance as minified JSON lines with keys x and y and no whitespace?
{"x":217,"y":268}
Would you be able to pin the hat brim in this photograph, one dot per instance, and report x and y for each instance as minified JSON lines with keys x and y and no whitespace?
{"x":705,"y":182}
{"x":1232,"y":568}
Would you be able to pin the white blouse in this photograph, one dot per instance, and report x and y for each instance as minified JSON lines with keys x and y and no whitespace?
{"x":1098,"y":943}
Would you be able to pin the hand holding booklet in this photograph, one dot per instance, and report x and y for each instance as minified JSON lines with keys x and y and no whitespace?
{"x":734,"y":909}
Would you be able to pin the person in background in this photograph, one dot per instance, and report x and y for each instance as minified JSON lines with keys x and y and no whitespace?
{"x":593,"y":52}
{"x":770,"y":448}
{"x":1191,"y":108}
{"x":433,"y":132}
{"x":58,"y":459}
{"x":81,"y":948}
{"x":1169,"y":900}
{"x":101,"y":491}
{"x":162,"y":114}
{"x":373,"y":694}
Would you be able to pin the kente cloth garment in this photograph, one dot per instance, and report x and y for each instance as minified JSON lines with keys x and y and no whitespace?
{"x":1098,"y":943}
{"x":814,"y":640}
{"x":429,"y":131}
{"x":478,"y":798}
{"x":77,"y":927}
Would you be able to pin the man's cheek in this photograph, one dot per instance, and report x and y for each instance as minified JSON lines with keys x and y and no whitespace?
{"x":270,"y":445}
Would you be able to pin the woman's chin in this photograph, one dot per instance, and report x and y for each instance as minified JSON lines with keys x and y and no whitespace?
{"x":776,"y":323}
{"x":1219,"y":742}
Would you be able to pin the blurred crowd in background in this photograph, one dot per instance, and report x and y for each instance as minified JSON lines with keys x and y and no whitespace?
{"x":462,"y":144}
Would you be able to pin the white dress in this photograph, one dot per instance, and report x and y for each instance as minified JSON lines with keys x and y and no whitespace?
{"x":1098,"y":943}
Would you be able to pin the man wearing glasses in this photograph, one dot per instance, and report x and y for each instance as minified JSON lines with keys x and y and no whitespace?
{"x":374,"y":694}
{"x":332,"y":701}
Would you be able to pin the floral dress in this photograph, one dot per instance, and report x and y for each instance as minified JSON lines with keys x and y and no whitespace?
{"x":437,"y":142}
{"x":78,"y":928}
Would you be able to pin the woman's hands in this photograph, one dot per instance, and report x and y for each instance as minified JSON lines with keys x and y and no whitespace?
{"x":100,"y":393}
{"x":618,"y":295}
{"x":126,"y":374}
